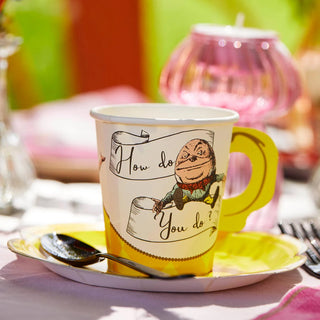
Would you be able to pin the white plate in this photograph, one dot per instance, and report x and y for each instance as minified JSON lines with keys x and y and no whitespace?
{"x":241,"y":259}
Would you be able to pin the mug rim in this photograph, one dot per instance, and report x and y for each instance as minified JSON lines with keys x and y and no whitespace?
{"x":233,"y":32}
{"x":210,"y":114}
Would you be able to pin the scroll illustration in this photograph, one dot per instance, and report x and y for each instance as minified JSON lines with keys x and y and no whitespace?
{"x":190,"y":206}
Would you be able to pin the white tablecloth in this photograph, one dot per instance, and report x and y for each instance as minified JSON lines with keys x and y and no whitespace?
{"x":30,"y":291}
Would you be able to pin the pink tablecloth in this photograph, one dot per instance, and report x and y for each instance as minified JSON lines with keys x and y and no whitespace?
{"x":30,"y":291}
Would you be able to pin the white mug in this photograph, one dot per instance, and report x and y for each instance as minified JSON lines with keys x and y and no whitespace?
{"x":162,"y":171}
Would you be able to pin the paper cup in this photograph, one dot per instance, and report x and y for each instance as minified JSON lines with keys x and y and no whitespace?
{"x":162,"y":171}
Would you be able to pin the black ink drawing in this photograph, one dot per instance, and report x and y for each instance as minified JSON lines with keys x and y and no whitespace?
{"x":195,"y":171}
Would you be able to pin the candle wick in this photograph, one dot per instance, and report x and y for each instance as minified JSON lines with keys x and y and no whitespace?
{"x":240,"y":20}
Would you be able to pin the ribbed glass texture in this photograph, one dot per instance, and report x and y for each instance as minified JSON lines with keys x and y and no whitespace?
{"x":251,"y":73}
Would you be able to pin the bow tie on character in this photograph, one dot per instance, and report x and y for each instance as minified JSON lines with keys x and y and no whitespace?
{"x":197,"y":185}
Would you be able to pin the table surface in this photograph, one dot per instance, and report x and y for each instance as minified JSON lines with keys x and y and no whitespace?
{"x":28,"y":290}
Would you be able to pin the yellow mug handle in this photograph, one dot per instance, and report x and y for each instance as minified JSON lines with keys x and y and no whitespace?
{"x":263,"y":154}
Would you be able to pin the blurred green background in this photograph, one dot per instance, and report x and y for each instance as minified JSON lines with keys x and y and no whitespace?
{"x":44,"y":69}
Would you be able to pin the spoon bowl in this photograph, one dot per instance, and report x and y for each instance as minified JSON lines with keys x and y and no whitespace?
{"x":77,"y":253}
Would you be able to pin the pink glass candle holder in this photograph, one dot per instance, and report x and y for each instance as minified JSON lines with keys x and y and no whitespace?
{"x":244,"y":69}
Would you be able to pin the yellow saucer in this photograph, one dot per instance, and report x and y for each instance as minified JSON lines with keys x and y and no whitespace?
{"x":240,"y":259}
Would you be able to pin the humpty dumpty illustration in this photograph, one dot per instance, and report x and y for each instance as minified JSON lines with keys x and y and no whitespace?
{"x":195,"y":170}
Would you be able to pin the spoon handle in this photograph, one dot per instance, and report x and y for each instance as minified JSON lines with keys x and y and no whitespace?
{"x":153,"y":273}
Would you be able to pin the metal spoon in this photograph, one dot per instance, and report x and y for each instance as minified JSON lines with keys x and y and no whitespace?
{"x":77,"y":253}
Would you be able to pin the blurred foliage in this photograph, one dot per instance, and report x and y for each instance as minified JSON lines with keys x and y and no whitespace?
{"x":42,"y":70}
{"x":304,"y":6}
{"x":43,"y":60}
